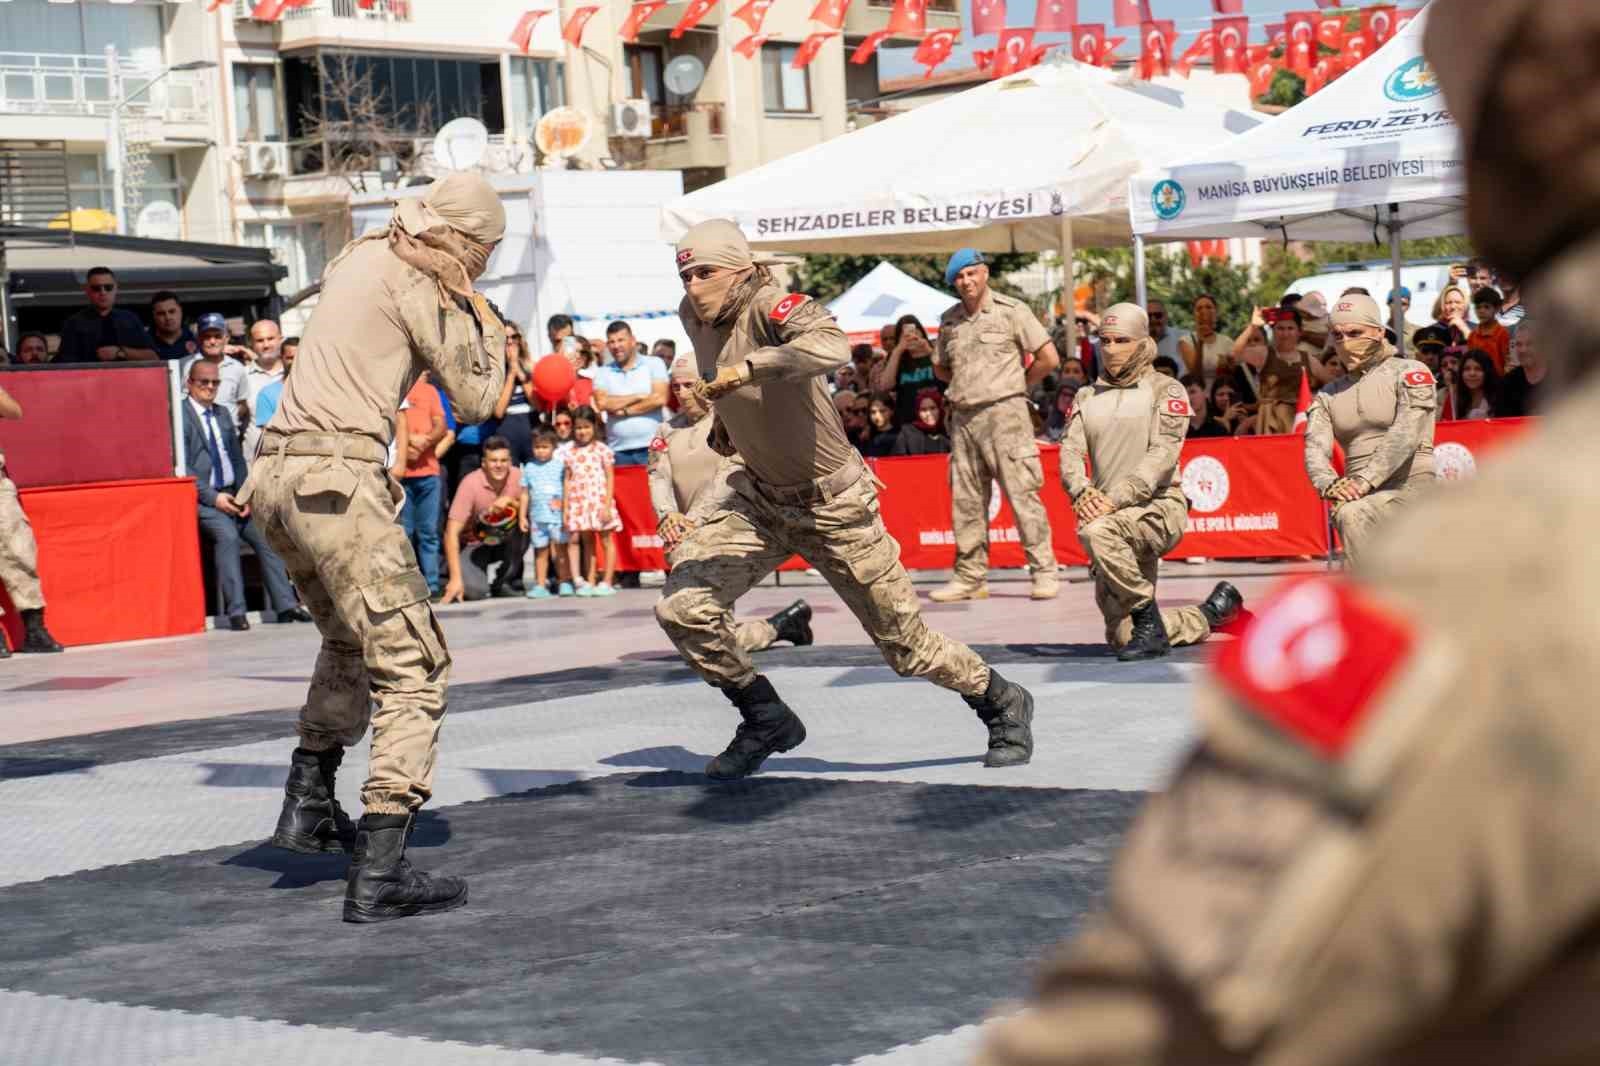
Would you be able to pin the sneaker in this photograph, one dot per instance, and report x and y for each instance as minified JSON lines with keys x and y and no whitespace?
{"x":565,"y":589}
{"x":538,"y":592}
{"x":603,"y":589}
{"x":585,"y":590}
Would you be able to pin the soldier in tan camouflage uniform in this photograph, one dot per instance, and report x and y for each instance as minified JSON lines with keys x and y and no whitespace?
{"x":394,"y":303}
{"x":984,"y":342}
{"x":1381,"y":413}
{"x":1130,"y":425}
{"x":688,"y":480}
{"x":19,"y":559}
{"x":1383,"y":851}
{"x":802,"y":489}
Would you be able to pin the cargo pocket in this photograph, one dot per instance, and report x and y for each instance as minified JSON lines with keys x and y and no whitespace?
{"x":1030,"y":476}
{"x":406,"y":594}
{"x":326,"y":488}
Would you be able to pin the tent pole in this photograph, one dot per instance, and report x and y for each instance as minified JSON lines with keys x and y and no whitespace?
{"x":1141,"y":292}
{"x":1397,"y":320}
{"x":1068,"y":300}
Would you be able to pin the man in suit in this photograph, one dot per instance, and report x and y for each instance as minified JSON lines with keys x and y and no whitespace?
{"x":216,"y":462}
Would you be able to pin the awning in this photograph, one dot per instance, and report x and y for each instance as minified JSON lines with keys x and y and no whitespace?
{"x":47,"y":269}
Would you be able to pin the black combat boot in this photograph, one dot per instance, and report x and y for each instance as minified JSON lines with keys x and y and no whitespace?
{"x":35,"y":637}
{"x":793,"y":623}
{"x":1007,"y":709}
{"x":312,"y":820}
{"x":1149,"y":637}
{"x":1222,"y":606}
{"x":768,"y":726}
{"x":382,"y":886}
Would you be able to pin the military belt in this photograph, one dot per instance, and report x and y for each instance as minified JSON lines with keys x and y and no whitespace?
{"x":819,"y":490}
{"x":334,"y":445}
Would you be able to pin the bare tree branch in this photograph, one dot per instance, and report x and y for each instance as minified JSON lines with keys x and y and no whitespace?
{"x":359,"y":126}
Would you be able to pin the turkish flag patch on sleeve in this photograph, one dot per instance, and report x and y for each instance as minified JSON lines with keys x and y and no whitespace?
{"x":1419,"y":376}
{"x":1315,"y":660}
{"x":1176,"y":406}
{"x":658,"y":444}
{"x":785,"y":307}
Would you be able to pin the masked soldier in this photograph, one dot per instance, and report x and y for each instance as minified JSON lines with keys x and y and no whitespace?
{"x":802,"y":490}
{"x":985,"y":342}
{"x":688,"y":480}
{"x":19,"y":559}
{"x":1381,"y":413}
{"x":394,"y":303}
{"x":1383,"y":851}
{"x":1130,"y":424}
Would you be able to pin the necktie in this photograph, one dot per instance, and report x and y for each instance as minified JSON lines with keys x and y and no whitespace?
{"x":215,"y":449}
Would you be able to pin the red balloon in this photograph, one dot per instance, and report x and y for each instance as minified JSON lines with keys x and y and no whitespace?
{"x":553,"y":378}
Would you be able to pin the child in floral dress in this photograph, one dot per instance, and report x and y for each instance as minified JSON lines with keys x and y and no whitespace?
{"x":589,"y":501}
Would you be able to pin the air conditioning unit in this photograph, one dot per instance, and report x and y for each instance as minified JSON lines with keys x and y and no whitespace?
{"x":264,"y":159}
{"x":631,"y":118}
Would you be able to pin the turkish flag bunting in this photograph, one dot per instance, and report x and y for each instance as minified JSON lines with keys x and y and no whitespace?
{"x":830,"y":13}
{"x":1011,"y":52}
{"x":1403,"y":17}
{"x":1130,"y":12}
{"x":748,"y":46}
{"x":984,"y":58}
{"x":909,"y":18}
{"x":1261,"y":75}
{"x":1325,"y":70}
{"x":268,"y":10}
{"x":1228,"y":7}
{"x":637,"y":14}
{"x":1203,"y":45}
{"x":366,"y":5}
{"x":935,"y":49}
{"x":988,"y":16}
{"x":1357,"y":46}
{"x":810,"y":47}
{"x":572,"y":32}
{"x":865,"y":49}
{"x":1087,"y":40}
{"x":1379,"y":22}
{"x":1330,"y":30}
{"x":523,"y":34}
{"x":1037,"y":53}
{"x":1229,"y":39}
{"x":753,"y":14}
{"x":1108,"y":50}
{"x":697,"y":10}
{"x":214,"y":5}
{"x":1200,"y":251}
{"x":1330,"y":3}
{"x":1155,"y":48}
{"x":1277,"y":35}
{"x":1302,"y":49}
{"x":1257,"y":53}
{"x":1054,"y":16}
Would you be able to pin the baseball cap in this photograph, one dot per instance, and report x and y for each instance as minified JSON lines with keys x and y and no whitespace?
{"x":1404,"y":292}
{"x":211,"y":320}
{"x":960,"y":261}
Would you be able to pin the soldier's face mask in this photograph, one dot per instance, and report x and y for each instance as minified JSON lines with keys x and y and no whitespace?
{"x":1356,"y":346}
{"x":709,"y":290}
{"x":1117,"y":353}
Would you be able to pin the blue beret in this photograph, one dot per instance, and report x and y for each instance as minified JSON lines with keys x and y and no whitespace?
{"x":1403,"y":292}
{"x":211,"y":321}
{"x":960,"y":261}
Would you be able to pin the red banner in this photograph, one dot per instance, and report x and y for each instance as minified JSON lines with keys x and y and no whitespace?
{"x":136,"y":444}
{"x":1055,"y":16}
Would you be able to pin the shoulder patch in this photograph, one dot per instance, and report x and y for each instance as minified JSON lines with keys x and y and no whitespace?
{"x":1419,"y":376}
{"x":1314,"y":661}
{"x":787,"y":306}
{"x":658,"y":443}
{"x":1177,"y":405}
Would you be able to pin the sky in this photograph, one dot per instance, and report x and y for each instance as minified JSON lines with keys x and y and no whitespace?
{"x":1191,"y":16}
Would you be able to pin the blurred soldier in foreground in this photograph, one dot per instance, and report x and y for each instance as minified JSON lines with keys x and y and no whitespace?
{"x":1384,"y":850}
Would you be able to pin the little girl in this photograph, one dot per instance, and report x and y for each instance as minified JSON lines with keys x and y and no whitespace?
{"x":588,"y":500}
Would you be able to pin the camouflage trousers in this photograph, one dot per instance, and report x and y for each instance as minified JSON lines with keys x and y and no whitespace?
{"x":843,"y":536}
{"x":1358,"y":520}
{"x":383,"y":657}
{"x":19,"y":554}
{"x":995,"y":443}
{"x":756,"y":634}
{"x":1125,"y":548}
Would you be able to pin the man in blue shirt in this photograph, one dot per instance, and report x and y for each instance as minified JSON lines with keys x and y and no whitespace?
{"x":631,"y":394}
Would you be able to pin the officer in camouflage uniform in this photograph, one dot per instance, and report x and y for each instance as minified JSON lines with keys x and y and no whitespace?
{"x":688,"y":480}
{"x":984,"y":342}
{"x":1383,"y":851}
{"x":1130,"y":425}
{"x":803,"y":489}
{"x":394,"y":303}
{"x":19,"y":559}
{"x":1381,"y":413}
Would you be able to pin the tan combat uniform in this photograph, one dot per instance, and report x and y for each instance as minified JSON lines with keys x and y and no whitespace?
{"x":1383,"y":419}
{"x":1132,"y":437}
{"x":323,"y":495}
{"x":991,"y":434}
{"x":688,"y":477}
{"x":19,"y":553}
{"x":803,"y":490}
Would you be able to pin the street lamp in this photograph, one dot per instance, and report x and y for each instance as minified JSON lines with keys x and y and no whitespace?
{"x":114,"y":150}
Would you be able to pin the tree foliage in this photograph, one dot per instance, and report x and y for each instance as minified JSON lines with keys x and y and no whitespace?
{"x":826,"y":276}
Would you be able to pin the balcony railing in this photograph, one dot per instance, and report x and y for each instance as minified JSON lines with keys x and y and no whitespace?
{"x":672,"y":120}
{"x":34,"y":83}
{"x":380,"y":10}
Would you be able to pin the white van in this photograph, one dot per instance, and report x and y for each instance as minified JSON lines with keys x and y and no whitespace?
{"x":1425,"y":281}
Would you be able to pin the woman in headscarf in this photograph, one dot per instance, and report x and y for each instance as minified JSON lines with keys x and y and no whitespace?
{"x":1130,"y":425}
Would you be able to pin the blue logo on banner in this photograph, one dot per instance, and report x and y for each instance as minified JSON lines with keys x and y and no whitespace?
{"x":1413,"y":80}
{"x":1168,"y":199}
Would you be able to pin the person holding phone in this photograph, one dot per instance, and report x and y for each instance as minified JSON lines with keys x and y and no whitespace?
{"x":907,"y":370}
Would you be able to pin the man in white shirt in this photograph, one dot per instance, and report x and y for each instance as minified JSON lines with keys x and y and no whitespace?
{"x":214,"y":347}
{"x":266,"y":340}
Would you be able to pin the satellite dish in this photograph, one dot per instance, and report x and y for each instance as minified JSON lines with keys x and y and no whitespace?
{"x":160,"y":219}
{"x":460,"y":144}
{"x":563,"y":132}
{"x":684,"y":75}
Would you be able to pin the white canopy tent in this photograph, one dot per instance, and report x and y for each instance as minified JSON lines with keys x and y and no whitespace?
{"x":885,"y":294}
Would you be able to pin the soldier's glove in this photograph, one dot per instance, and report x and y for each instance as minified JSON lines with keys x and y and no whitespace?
{"x":672,"y":528}
{"x":1346,"y":489}
{"x":726,"y":380}
{"x":1092,"y":504}
{"x":719,"y":441}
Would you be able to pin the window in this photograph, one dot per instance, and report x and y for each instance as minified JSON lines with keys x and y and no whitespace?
{"x":89,"y":184}
{"x":784,"y":89}
{"x":644,"y":66}
{"x":34,"y":26}
{"x":298,"y":246}
{"x":537,"y":86}
{"x":255,"y":103}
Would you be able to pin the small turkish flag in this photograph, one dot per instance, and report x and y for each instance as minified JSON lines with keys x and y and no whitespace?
{"x":1302,"y":47}
{"x":1330,"y":30}
{"x":1403,"y":18}
{"x":637,"y":14}
{"x":1323,"y":71}
{"x":269,"y":10}
{"x":753,"y":14}
{"x":1261,"y":75}
{"x":572,"y":32}
{"x":1379,"y":22}
{"x":1228,"y":40}
{"x":865,"y":49}
{"x":522,"y":36}
{"x":1054,"y":16}
{"x":1228,"y":7}
{"x":1011,"y":52}
{"x":830,"y":13}
{"x":1277,"y":36}
{"x":1108,"y":50}
{"x":1087,"y":40}
{"x":1204,"y":44}
{"x":1302,"y":406}
{"x":810,"y":47}
{"x":935,"y":49}
{"x":983,"y":58}
{"x":1155,"y":50}
{"x":1130,"y":12}
{"x":909,"y":18}
{"x":1357,"y":46}
{"x":697,"y":10}
{"x":750,"y":44}
{"x":988,"y":16}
